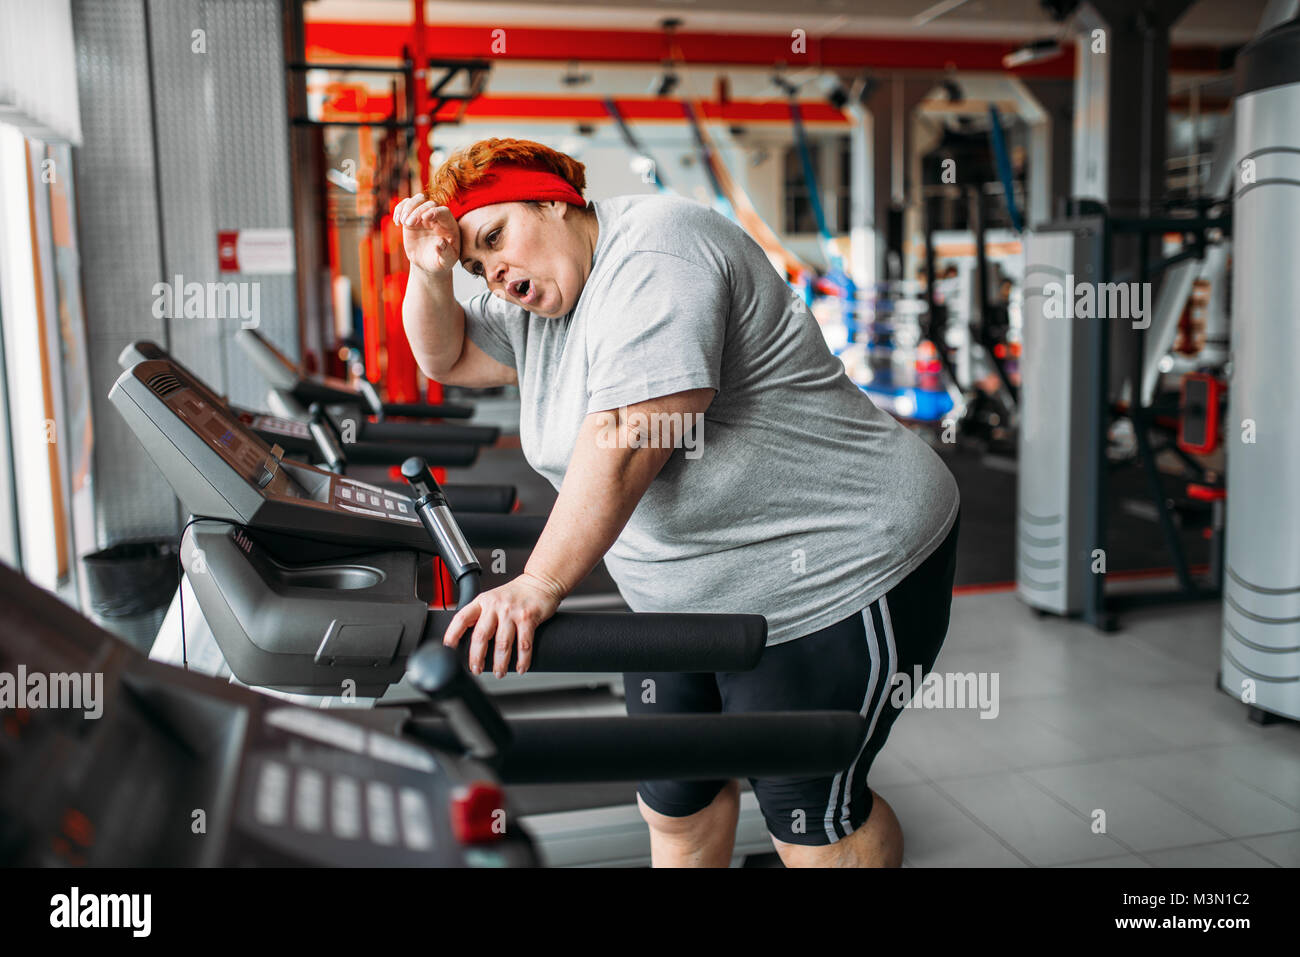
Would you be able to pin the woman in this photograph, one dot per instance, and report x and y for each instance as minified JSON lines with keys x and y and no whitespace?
{"x":783,"y":492}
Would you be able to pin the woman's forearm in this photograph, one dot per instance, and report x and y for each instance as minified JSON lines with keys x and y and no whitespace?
{"x":596,"y":500}
{"x":608,"y":473}
{"x":434,"y":321}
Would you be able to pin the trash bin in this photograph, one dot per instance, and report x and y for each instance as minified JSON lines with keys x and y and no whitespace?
{"x":129,"y":586}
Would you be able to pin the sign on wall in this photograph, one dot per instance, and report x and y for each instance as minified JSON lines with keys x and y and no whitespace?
{"x":263,"y":251}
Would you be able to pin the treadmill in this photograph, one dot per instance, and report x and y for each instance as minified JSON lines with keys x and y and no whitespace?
{"x":358,"y":413}
{"x":187,"y":630}
{"x":108,"y":775}
{"x":316,"y":438}
{"x":311,"y":591}
{"x":279,"y":785}
{"x":186,"y":633}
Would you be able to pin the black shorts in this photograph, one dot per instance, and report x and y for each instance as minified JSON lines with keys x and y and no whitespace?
{"x":847,"y":666}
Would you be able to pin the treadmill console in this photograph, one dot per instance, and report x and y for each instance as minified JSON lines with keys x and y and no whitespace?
{"x":275,"y":425}
{"x":221,"y":468}
{"x":121,"y":761}
{"x":242,"y":449}
{"x":283,"y":373}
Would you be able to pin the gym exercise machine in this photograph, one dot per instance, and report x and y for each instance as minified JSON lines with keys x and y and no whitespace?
{"x":359,"y":415}
{"x":310,"y":593}
{"x":318,"y":441}
{"x":1260,"y":663}
{"x":1064,"y":472}
{"x":277,"y":785}
{"x":282,"y":785}
{"x":190,"y":443}
{"x":972,"y":334}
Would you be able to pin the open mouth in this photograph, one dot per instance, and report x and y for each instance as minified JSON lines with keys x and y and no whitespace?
{"x":521,"y":289}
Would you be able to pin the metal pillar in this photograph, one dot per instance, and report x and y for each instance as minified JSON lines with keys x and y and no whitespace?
{"x":862,"y":203}
{"x":891,"y":104}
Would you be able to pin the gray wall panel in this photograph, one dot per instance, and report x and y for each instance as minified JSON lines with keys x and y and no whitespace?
{"x":120,"y":251}
{"x":186,"y":136}
{"x":251,"y":168}
{"x":222,"y":163}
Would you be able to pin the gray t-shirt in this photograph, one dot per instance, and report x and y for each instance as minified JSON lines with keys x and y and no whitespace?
{"x":796,"y":498}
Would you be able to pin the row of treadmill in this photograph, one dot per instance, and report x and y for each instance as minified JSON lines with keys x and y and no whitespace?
{"x":298,"y":706}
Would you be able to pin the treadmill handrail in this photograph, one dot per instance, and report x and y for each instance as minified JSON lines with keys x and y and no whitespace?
{"x":602,"y":641}
{"x":665,"y":747}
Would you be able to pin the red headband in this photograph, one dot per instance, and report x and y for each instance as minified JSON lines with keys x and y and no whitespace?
{"x":514,"y":184}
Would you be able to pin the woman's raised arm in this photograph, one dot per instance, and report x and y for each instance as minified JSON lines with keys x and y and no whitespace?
{"x":434,"y":320}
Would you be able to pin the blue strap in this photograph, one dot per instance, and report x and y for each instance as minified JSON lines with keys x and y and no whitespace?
{"x":633,"y":143}
{"x":809,"y":174}
{"x":1003,"y":160}
{"x":720,"y":201}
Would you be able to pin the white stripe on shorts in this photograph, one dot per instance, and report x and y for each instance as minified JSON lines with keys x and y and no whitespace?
{"x":877,"y":674}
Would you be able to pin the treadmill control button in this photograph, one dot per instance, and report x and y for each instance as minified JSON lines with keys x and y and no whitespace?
{"x":271,"y":803}
{"x":388,"y":504}
{"x":401,"y":507}
{"x":380,"y":813}
{"x":309,"y":800}
{"x":417,"y":829}
{"x":345,"y":492}
{"x":346,"y":811}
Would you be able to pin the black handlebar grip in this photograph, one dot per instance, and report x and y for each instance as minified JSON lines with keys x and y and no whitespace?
{"x":481,"y":498}
{"x":429,"y":433}
{"x":682,"y":747}
{"x":418,"y":475}
{"x":618,"y":641}
{"x":436,"y":671}
{"x":390,"y":453}
{"x":308,"y":391}
{"x":488,"y":530}
{"x":420,"y":410}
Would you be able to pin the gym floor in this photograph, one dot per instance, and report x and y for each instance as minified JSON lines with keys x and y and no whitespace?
{"x":1127,"y":730}
{"x":1129,"y":724}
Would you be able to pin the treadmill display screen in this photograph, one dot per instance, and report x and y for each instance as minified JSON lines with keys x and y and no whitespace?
{"x":289,"y":428}
{"x":240,"y":447}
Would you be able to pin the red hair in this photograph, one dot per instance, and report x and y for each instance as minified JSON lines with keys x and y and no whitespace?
{"x":467,"y":168}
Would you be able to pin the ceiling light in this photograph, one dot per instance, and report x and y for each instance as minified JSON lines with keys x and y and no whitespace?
{"x":1034,"y":52}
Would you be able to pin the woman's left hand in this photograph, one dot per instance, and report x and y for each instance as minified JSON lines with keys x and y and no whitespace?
{"x":511,"y":613}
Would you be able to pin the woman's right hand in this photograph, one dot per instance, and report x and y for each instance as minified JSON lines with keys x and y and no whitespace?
{"x":429,"y":234}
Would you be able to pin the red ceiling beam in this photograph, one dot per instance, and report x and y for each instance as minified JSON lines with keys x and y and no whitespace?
{"x":346,"y":105}
{"x":350,"y":41}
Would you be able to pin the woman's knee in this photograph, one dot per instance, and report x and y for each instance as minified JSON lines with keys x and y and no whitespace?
{"x":724,"y":802}
{"x":878,"y":842}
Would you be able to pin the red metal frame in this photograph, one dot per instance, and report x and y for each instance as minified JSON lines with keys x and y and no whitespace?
{"x":371,"y":330}
{"x":350,"y":40}
{"x":343,"y":102}
{"x":400,"y":376}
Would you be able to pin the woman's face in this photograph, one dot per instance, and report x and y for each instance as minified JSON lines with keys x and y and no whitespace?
{"x":537,"y":257}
